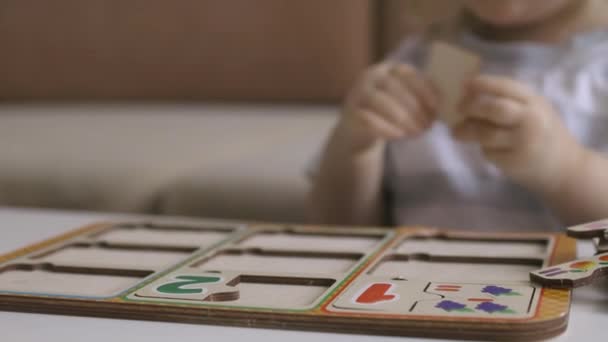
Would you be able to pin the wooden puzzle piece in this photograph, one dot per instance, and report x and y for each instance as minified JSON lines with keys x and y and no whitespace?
{"x":597,"y":229}
{"x":381,"y":294}
{"x":574,"y":273}
{"x":469,"y":291}
{"x":449,"y":68}
{"x":391,"y":296}
{"x":601,"y":244}
{"x":455,"y":307}
{"x":479,"y":300}
{"x":191,"y":286}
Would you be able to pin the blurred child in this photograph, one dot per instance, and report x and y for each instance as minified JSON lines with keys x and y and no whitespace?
{"x":528,"y":154}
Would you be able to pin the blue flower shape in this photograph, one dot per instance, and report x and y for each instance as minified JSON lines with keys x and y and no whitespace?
{"x":490,"y":307}
{"x":498,"y":291}
{"x":450,"y":306}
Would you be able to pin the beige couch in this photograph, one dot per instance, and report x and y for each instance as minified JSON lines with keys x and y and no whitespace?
{"x":234,"y":161}
{"x":208,"y":107}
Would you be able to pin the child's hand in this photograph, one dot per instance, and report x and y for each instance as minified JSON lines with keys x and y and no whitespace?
{"x":390,"y":101}
{"x":518,"y":131}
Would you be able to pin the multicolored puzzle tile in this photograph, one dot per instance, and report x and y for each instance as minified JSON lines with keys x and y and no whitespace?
{"x":589,"y":230}
{"x":403,"y":297}
{"x":480,"y":300}
{"x":574,"y":273}
{"x":601,"y":245}
{"x":579,"y":272}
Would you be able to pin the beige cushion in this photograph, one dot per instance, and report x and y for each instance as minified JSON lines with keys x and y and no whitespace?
{"x":148,"y":158}
{"x":269,"y":184}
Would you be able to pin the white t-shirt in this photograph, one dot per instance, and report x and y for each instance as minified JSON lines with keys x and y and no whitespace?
{"x":437,"y":181}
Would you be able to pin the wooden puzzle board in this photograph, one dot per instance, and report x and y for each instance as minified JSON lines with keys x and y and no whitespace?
{"x":408,"y":281}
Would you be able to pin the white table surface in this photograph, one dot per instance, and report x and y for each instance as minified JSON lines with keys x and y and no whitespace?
{"x":21,"y":227}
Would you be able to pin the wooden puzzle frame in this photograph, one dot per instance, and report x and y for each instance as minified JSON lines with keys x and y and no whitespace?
{"x":324,"y":299}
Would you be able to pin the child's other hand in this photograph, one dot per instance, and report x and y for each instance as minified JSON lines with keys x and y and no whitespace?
{"x":390,"y":101}
{"x":518,"y":131}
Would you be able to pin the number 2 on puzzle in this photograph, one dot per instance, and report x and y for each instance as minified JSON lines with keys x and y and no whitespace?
{"x":186,"y":284}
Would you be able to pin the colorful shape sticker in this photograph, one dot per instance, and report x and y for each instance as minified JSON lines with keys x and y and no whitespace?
{"x":377,"y":293}
{"x":550,"y":270}
{"x":491,"y":308}
{"x":499,"y":291}
{"x":553,"y":272}
{"x":480,"y":300}
{"x":451,"y":306}
{"x":582,"y":266}
{"x":184,"y":284}
{"x":448,"y":288}
{"x":575,"y":267}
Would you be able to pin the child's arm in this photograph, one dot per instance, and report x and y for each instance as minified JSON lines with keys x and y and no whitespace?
{"x":347,"y":189}
{"x":520,"y":132}
{"x":390,"y":102}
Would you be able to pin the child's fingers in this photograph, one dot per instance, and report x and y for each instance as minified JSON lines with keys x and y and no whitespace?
{"x":487,"y":135}
{"x":416,"y":116}
{"x":377,"y":72}
{"x":386,"y":106}
{"x":399,"y":93}
{"x":496,"y":110}
{"x":378,"y":125}
{"x":500,"y":87}
{"x":419,"y":85}
{"x":369,"y":79}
